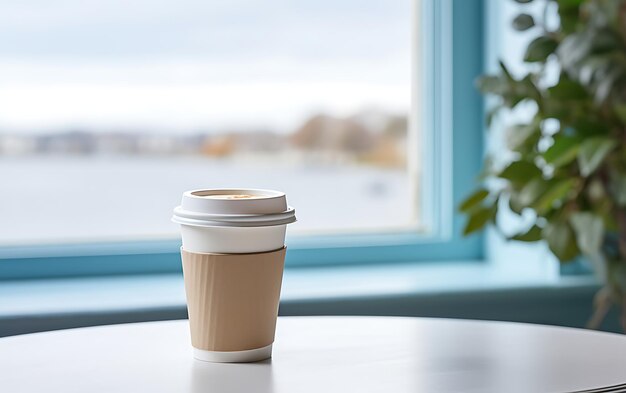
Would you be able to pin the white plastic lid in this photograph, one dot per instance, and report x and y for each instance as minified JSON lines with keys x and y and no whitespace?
{"x":240,"y":207}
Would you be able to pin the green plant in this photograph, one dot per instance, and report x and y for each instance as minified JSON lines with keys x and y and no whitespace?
{"x":568,"y":165}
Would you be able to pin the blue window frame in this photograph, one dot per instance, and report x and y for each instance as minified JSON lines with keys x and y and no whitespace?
{"x":451,"y":41}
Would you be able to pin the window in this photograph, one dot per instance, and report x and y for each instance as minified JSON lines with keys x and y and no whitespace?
{"x":110,"y":110}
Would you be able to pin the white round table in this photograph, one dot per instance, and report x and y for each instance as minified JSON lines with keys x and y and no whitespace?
{"x":322,"y":355}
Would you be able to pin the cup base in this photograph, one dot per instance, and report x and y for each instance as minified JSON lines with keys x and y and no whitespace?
{"x":250,"y":355}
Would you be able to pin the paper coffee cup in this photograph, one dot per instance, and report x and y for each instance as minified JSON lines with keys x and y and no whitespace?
{"x":233,"y":256}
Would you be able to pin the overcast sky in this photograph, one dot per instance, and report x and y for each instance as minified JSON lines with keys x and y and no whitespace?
{"x":186,"y":65}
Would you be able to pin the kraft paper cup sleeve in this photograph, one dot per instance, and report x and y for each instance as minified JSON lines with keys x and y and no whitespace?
{"x":232,"y":299}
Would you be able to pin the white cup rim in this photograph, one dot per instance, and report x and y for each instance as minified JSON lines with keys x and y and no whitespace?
{"x":185,"y":217}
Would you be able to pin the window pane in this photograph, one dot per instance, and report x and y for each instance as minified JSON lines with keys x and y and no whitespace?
{"x":109,"y":110}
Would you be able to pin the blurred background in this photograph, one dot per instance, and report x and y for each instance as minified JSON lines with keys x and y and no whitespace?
{"x":122,"y":106}
{"x":364,"y":112}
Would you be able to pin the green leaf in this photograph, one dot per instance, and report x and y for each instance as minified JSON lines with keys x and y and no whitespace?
{"x":568,"y":15}
{"x":587,"y":127}
{"x":591,"y":67}
{"x":514,"y":204}
{"x":532,"y":235}
{"x":555,"y":109}
{"x":592,"y":152}
{"x":563,"y":151}
{"x":528,"y":89}
{"x":569,"y":3}
{"x":606,"y":86}
{"x":561,"y":240}
{"x":520,"y":172}
{"x":539,"y":49}
{"x":491,"y":84}
{"x":595,"y":192}
{"x":574,"y":48}
{"x":618,"y":187}
{"x":620,"y":111}
{"x":567,"y":89}
{"x":518,"y":134}
{"x":473,"y":200}
{"x":605,"y":40}
{"x":523,"y":22}
{"x":556,"y":191}
{"x":532,"y":191}
{"x":511,"y":91}
{"x":541,"y":195}
{"x":589,"y":230}
{"x":478,"y":219}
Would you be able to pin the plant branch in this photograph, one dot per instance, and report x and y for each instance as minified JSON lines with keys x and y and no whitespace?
{"x":621,"y":222}
{"x":601,"y":306}
{"x":623,"y":314}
